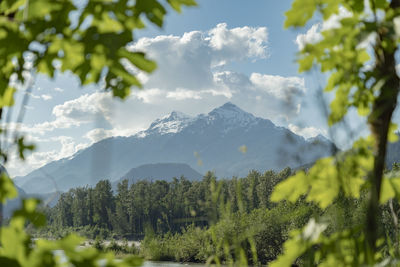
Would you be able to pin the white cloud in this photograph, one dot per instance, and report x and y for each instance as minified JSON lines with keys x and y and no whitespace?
{"x":46,"y":97}
{"x":58,"y":89}
{"x":281,"y":87}
{"x":148,"y":95}
{"x":34,"y":96}
{"x":186,"y":77}
{"x":37,"y":159}
{"x":182,"y":94}
{"x":187,"y":61}
{"x":307,"y":132}
{"x":85,"y":109}
{"x":238,"y":43}
{"x":187,"y":80}
{"x":313,"y":35}
{"x":98,"y":134}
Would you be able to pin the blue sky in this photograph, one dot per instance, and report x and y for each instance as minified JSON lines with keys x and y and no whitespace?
{"x":223,"y":50}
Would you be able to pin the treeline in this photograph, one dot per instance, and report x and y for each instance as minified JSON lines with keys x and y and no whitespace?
{"x":214,"y":220}
{"x":160,"y":206}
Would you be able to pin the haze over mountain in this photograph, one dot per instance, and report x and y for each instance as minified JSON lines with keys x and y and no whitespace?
{"x":227,"y":140}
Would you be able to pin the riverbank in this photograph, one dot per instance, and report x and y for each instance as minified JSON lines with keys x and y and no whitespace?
{"x":123,"y":248}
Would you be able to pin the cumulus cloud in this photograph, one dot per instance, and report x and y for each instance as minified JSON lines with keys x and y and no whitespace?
{"x":88,"y":108}
{"x":313,"y":35}
{"x":307,"y":132}
{"x":182,"y":94}
{"x":148,"y":95}
{"x":46,"y":97}
{"x":238,"y":43}
{"x":67,"y":148}
{"x":187,"y":61}
{"x":98,"y":134}
{"x":280,"y":87}
{"x":189,"y":78}
{"x":186,"y":77}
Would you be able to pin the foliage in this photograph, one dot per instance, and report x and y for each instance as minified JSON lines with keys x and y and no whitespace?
{"x":359,"y":56}
{"x":231,"y":239}
{"x":226,"y":221}
{"x":19,"y":249}
{"x":159,"y":205}
{"x":90,"y":41}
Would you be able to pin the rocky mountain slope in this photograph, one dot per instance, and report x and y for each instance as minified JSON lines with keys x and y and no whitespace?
{"x":227,"y":140}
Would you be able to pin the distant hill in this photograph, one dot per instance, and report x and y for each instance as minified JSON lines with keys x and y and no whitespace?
{"x":14,"y":204}
{"x":228,"y":141}
{"x":393,"y":153}
{"x":161,"y":171}
{"x":11,"y":205}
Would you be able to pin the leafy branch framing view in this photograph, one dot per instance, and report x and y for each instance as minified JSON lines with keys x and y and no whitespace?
{"x":91,"y":41}
{"x":364,"y":78}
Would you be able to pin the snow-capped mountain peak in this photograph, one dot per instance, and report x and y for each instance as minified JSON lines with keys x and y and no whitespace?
{"x":215,"y":138}
{"x":231,"y":113}
{"x":172,"y":123}
{"x":176,"y":115}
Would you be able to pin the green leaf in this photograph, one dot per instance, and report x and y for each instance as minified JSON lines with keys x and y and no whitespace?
{"x":381,"y":4}
{"x":7,"y":97}
{"x":299,"y":242}
{"x":387,"y":191}
{"x":392,"y":136}
{"x":292,"y":188}
{"x":177,"y":4}
{"x":325,"y":184}
{"x":300,"y":12}
{"x":390,"y":188}
{"x":40,"y":8}
{"x":106,"y":24}
{"x":22,"y":147}
{"x":153,"y":9}
{"x":10,"y":6}
{"x":363,"y":56}
{"x":139,"y":60}
{"x":5,"y":261}
{"x":305,"y":63}
{"x":7,"y":188}
{"x":29,"y":212}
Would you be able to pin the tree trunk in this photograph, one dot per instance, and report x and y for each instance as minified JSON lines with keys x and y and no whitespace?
{"x":379,"y":121}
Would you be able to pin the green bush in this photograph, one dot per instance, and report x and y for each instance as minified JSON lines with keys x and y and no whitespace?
{"x":255,"y":237}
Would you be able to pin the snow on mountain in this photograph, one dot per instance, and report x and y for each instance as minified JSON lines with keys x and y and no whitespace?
{"x":172,"y":123}
{"x":231,"y":113}
{"x":205,"y":142}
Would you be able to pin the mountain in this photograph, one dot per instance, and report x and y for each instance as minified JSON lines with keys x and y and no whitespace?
{"x":13,"y":204}
{"x":227,"y":140}
{"x":161,"y":171}
{"x":393,"y":153}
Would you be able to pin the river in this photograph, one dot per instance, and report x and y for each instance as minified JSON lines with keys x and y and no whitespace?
{"x":170,"y":264}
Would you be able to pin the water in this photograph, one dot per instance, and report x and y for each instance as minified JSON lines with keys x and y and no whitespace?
{"x":61,"y":254}
{"x":170,"y":264}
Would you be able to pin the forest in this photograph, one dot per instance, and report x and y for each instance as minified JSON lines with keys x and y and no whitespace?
{"x":160,"y":205}
{"x":212,"y":220}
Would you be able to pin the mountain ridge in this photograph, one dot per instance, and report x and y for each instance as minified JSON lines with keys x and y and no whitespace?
{"x":204,"y":142}
{"x":160,"y":171}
